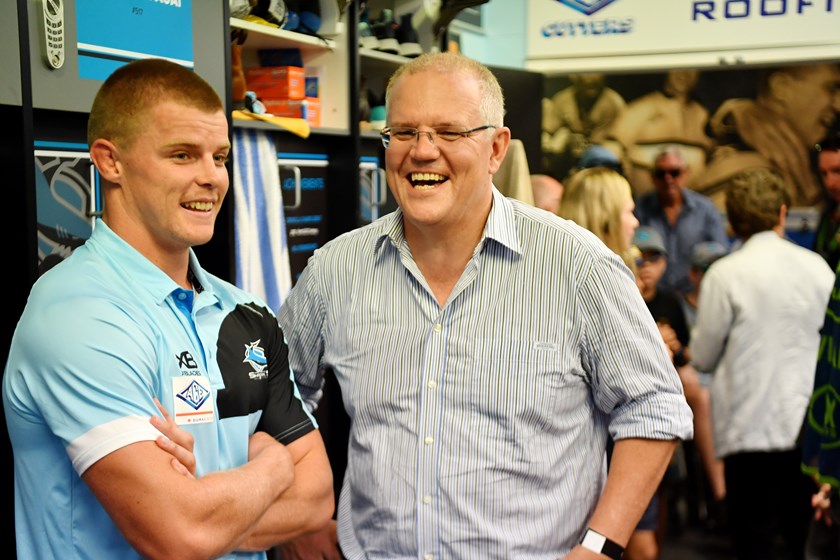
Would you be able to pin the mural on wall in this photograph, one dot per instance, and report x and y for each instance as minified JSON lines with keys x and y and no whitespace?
{"x":724,"y":121}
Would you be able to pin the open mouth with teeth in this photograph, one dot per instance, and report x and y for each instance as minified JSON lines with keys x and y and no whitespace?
{"x":425,"y":181}
{"x":198,"y":206}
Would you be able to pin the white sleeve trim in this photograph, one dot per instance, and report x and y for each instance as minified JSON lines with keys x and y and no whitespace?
{"x":98,"y":442}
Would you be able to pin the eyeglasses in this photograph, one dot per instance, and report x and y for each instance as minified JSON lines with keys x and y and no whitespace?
{"x":649,"y":258}
{"x":405,"y":134}
{"x":673,"y":173}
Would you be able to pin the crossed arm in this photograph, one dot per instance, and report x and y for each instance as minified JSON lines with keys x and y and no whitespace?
{"x":150,"y":491}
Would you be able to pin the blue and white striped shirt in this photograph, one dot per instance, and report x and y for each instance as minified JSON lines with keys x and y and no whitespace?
{"x":479,"y":429}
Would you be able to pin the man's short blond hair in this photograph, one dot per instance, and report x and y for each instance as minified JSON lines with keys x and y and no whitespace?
{"x":120,"y":108}
{"x":492,"y":100}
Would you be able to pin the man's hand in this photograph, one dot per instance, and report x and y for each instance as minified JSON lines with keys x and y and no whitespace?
{"x":319,"y":545}
{"x":669,"y":336}
{"x":261,"y":442}
{"x":175,"y":441}
{"x":821,"y":502}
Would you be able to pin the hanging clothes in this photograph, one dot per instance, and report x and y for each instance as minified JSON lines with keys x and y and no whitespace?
{"x":261,"y":247}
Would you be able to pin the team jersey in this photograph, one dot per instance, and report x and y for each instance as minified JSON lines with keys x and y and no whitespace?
{"x":102,"y":334}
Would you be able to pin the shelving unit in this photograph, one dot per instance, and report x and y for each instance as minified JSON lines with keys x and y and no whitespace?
{"x":328,"y":57}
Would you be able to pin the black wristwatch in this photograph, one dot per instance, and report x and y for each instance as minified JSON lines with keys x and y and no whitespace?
{"x":596,"y":542}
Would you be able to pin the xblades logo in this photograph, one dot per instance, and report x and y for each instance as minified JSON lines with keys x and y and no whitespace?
{"x":185,"y":360}
{"x":587,"y":7}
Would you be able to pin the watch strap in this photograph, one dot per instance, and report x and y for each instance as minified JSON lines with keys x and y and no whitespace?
{"x":596,"y":542}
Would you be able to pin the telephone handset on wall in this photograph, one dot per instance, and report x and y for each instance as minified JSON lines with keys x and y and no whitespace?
{"x":53,"y":11}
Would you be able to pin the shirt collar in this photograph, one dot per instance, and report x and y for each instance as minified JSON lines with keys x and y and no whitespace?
{"x":132,"y":264}
{"x":500,"y":226}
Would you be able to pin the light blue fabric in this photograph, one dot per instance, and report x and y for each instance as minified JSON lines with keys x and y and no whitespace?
{"x":104,"y":332}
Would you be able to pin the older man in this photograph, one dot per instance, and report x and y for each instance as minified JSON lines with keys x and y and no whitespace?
{"x":681,"y":216}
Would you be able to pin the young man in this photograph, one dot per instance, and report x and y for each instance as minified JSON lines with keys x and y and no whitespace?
{"x":760,"y":311}
{"x":827,"y":239}
{"x":130,"y":320}
{"x":485,"y":351}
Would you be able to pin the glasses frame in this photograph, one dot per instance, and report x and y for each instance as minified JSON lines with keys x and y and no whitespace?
{"x":385,"y":133}
{"x":672,"y":172}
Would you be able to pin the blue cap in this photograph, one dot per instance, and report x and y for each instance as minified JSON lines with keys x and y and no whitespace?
{"x":648,"y":239}
{"x":599,"y":156}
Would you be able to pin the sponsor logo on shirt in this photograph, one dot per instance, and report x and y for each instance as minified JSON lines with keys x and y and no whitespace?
{"x":186,"y":363}
{"x":194,"y":394}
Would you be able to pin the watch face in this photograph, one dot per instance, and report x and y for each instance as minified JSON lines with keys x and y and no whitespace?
{"x":593,"y":541}
{"x":596,"y":542}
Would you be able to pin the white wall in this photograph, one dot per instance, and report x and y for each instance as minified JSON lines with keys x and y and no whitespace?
{"x":503,"y":41}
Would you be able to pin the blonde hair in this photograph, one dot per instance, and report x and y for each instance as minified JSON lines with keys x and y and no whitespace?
{"x":492,"y":100}
{"x":595,"y":199}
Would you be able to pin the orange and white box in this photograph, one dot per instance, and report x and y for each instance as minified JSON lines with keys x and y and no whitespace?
{"x":276,"y":82}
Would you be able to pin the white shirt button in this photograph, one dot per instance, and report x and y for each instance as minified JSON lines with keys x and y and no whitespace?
{"x":438,"y":328}
{"x":182,"y":296}
{"x":427,"y":500}
{"x":432,"y":383}
{"x":427,"y":556}
{"x":429,"y":440}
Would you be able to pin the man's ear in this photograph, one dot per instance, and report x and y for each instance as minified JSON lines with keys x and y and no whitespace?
{"x":106,"y":158}
{"x":501,"y":142}
{"x":779,"y":86}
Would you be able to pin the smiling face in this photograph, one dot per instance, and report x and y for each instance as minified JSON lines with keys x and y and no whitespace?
{"x":168,"y":183}
{"x":441,"y":184}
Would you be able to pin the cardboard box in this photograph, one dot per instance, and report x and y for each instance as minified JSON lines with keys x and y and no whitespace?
{"x":309,"y":108}
{"x":276,"y":82}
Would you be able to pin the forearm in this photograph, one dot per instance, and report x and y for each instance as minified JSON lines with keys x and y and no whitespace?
{"x":636,"y":468}
{"x":205,"y":517}
{"x":304,"y":507}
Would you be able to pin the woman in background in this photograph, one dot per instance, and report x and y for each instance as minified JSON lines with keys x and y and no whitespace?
{"x":601,"y":200}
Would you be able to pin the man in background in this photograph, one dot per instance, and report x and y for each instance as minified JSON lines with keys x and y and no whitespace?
{"x":681,"y":216}
{"x":827,"y":239}
{"x":760,"y":311}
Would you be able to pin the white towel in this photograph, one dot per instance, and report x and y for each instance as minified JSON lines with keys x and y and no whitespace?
{"x":262,"y":256}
